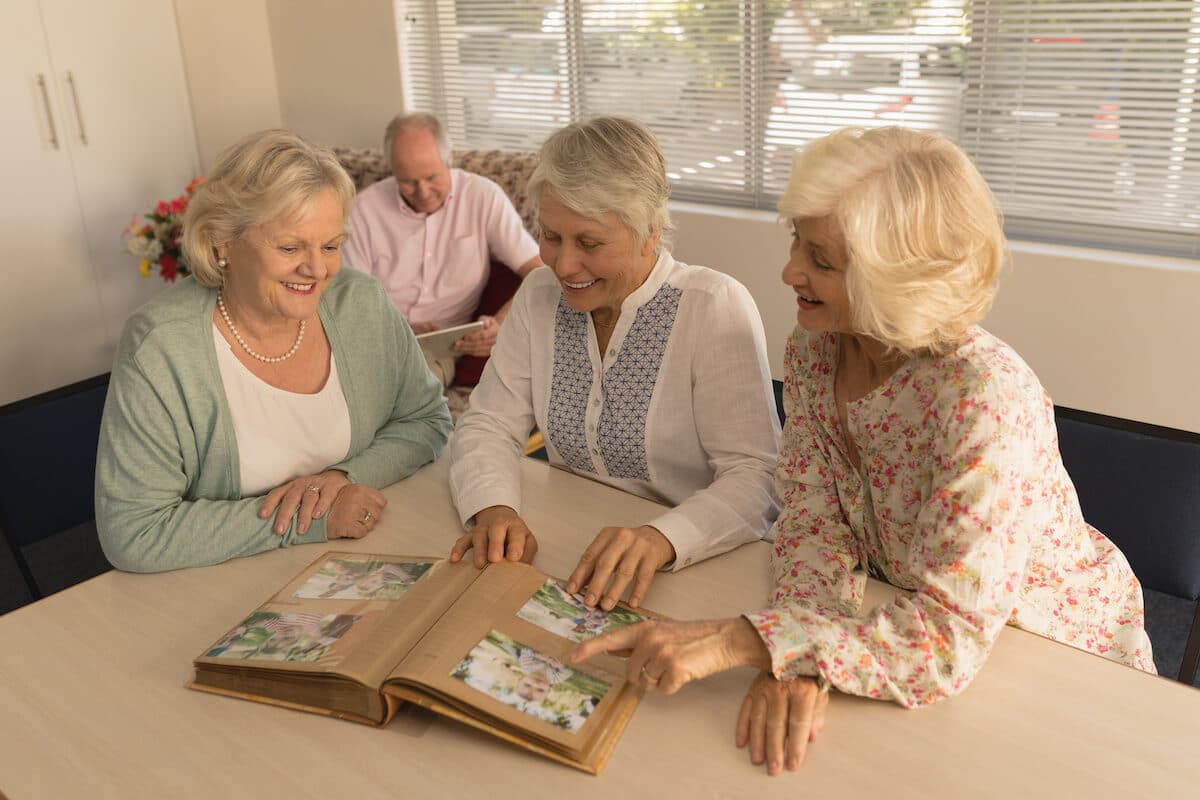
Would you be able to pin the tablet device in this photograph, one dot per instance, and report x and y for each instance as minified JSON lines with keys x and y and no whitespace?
{"x":440,"y":344}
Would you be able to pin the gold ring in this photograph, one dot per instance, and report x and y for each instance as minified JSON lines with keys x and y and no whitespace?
{"x":366,"y":517}
{"x":312,"y":487}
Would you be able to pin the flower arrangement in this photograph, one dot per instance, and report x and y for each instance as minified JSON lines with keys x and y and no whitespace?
{"x":157,"y":241}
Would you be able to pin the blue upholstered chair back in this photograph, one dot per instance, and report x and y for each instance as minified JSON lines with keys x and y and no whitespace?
{"x":778,"y":387}
{"x":1141,"y":489}
{"x":48,"y":463}
{"x":1140,"y":485}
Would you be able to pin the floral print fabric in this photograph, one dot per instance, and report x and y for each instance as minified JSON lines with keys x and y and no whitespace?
{"x":962,"y":499}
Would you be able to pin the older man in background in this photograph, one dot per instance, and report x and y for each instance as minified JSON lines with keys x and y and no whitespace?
{"x":428,"y":232}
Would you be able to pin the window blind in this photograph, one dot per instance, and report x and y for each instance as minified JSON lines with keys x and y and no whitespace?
{"x":1080,"y":114}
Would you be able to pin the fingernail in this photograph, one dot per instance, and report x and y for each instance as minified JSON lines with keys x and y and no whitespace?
{"x":303,"y":529}
{"x":635,"y":601}
{"x":608,"y":604}
{"x":590,"y":600}
{"x":319,"y":514}
{"x":572,"y":588}
{"x":262,"y":512}
{"x":279,"y":529}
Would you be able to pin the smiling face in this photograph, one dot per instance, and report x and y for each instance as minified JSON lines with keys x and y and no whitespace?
{"x":534,"y":687}
{"x":597,"y":261}
{"x":280,"y":270}
{"x":816,"y":271}
{"x":420,"y":172}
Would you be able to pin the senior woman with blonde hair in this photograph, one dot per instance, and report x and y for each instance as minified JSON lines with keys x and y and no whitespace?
{"x":263,"y":401}
{"x":919,"y":450}
{"x":641,"y":372}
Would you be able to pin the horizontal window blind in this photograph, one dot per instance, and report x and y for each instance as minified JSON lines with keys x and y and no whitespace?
{"x":1083,"y":118}
{"x":1079,"y":113}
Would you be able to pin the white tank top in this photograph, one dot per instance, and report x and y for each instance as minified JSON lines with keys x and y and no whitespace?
{"x":280,"y":434}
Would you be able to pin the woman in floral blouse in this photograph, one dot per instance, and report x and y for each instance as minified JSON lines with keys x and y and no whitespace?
{"x":919,"y":450}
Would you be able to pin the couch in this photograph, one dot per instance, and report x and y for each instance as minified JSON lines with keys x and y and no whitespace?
{"x":511,"y":170}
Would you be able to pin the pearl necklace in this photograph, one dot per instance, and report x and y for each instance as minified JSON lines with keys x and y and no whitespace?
{"x":246,"y":347}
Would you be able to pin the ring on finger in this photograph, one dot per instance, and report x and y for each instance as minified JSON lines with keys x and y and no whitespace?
{"x":647,"y":676}
{"x":367,"y":515}
{"x":312,"y":487}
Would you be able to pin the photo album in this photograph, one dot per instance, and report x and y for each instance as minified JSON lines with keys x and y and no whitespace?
{"x":356,"y":635}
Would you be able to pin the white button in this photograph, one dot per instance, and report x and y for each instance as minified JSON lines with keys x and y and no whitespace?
{"x":612,"y":353}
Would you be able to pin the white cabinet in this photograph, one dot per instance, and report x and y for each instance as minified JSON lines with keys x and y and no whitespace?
{"x":98,"y":127}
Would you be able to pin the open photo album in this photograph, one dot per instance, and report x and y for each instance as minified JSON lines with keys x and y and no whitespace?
{"x":355,"y":635}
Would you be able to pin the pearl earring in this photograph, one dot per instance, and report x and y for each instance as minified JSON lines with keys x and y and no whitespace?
{"x":222,"y":263}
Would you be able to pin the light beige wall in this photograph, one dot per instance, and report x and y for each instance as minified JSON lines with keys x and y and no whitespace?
{"x":338,"y":68}
{"x":230,"y":67}
{"x":1111,"y":333}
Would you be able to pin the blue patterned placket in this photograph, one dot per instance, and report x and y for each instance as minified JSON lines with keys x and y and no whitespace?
{"x":626,"y":387}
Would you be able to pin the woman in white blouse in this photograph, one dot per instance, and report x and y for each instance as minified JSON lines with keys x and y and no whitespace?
{"x":641,"y":372}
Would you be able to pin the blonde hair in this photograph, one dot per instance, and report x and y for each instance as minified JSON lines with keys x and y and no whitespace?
{"x":418,"y":120}
{"x":608,"y":164}
{"x":923,"y":236}
{"x":262,"y":178}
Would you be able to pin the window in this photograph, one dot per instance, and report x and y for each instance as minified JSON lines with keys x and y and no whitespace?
{"x":1081,"y":114}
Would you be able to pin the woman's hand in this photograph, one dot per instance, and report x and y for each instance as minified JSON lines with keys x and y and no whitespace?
{"x":499,"y":533}
{"x":622,"y":555}
{"x":779,"y":718}
{"x":667,"y":655}
{"x":354,"y":512}
{"x":311,"y":494}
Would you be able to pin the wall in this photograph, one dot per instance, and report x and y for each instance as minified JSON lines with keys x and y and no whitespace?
{"x":230,"y":69}
{"x":338,"y":68}
{"x":1112,"y":333}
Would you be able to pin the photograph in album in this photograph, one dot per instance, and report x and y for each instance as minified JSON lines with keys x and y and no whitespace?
{"x":554,"y":609}
{"x":531,"y":682}
{"x":363,"y":579}
{"x":272,"y":636}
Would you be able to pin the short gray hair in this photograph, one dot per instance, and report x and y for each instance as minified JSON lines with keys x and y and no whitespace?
{"x":608,"y":164}
{"x":260,"y":179}
{"x":418,"y":120}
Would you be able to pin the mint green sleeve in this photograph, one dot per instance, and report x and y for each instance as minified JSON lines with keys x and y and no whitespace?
{"x":401,"y":405}
{"x":148,"y":515}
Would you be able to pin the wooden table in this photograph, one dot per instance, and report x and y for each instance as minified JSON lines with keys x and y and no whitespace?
{"x":93,"y":704}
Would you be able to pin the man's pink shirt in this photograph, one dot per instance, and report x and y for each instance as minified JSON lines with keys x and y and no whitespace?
{"x":434,"y":266}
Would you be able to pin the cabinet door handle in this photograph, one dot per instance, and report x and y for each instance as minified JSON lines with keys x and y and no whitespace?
{"x":41,"y":82}
{"x":78,"y":111}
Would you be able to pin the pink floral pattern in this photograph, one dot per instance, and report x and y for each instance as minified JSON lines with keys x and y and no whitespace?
{"x":962,"y":499}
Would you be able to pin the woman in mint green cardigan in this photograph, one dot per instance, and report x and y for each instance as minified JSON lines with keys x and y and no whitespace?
{"x":263,"y":401}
